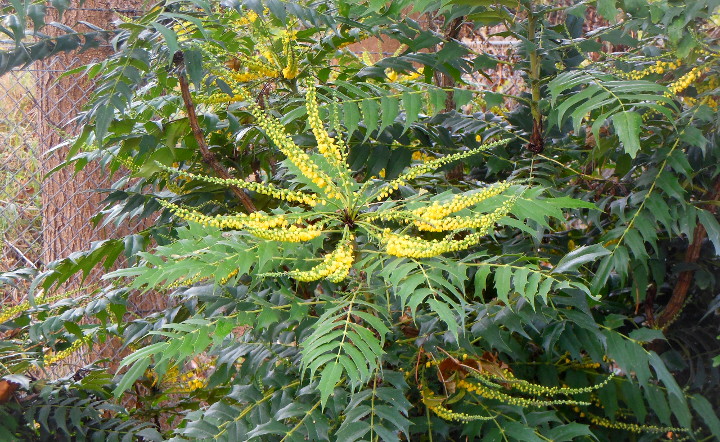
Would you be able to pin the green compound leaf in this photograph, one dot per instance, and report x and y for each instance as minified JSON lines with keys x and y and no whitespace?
{"x":582,"y":255}
{"x":329,"y":378}
{"x":708,"y":414}
{"x":627,"y":125}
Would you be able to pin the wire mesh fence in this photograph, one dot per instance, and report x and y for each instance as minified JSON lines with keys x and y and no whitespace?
{"x":43,"y":217}
{"x":20,"y":172}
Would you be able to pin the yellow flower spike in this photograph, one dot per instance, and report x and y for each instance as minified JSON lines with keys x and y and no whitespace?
{"x":290,"y":71}
{"x":262,"y":188}
{"x":276,"y":132}
{"x":448,"y":415}
{"x":50,"y":359}
{"x":255,"y":220}
{"x":326,"y":144}
{"x":412,"y":247}
{"x":291,"y":234}
{"x":391,"y":75}
{"x":335,"y":267}
{"x":495,"y":393}
{"x":633,"y":428}
{"x":429,"y":166}
{"x":437,"y":210}
{"x":13,"y":312}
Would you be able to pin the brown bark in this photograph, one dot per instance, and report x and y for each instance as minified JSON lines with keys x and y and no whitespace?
{"x":677,"y":300}
{"x":69,"y":200}
{"x":207,"y":156}
{"x":452,"y":32}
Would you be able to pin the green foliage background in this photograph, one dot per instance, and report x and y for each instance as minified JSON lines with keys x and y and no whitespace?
{"x":560,"y":324}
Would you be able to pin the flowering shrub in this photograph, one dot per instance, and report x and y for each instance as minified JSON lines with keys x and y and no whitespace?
{"x":350,"y":258}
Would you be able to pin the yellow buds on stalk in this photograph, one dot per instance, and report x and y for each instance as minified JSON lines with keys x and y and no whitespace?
{"x":10,"y":313}
{"x":495,"y":393}
{"x":276,"y":132}
{"x":265,"y":189}
{"x":633,"y":428}
{"x":686,"y":80}
{"x":429,"y":166}
{"x":524,"y":386}
{"x":413,"y":247}
{"x":290,"y":71}
{"x":448,"y":415}
{"x":13,"y":312}
{"x":482,"y":222}
{"x":335,"y":267}
{"x":289,"y":234}
{"x":394,"y":76}
{"x":257,"y":66}
{"x":244,"y":77}
{"x":49,"y":359}
{"x":660,"y":67}
{"x":326,"y":144}
{"x":255,"y":220}
{"x":438,"y":210}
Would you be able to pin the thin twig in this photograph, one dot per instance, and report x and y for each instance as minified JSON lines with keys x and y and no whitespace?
{"x":207,"y":155}
{"x":19,"y":252}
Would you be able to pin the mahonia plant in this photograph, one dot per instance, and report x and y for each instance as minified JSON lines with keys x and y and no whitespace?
{"x":333,"y":206}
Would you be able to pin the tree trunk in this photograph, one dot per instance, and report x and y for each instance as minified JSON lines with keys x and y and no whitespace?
{"x":69,"y":200}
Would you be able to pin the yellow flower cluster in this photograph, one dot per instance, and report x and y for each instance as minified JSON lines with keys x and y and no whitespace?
{"x":220,"y":98}
{"x":421,"y":156}
{"x":438,"y":210}
{"x":228,"y":277}
{"x":482,"y":222}
{"x":265,"y":189}
{"x":685,"y":81}
{"x":256,"y":64}
{"x":448,"y":415}
{"x":195,"y":384}
{"x":494,"y":393}
{"x":708,"y":101}
{"x":524,"y":386}
{"x":183,"y":30}
{"x":128,"y":163}
{"x":633,"y":428}
{"x":12,"y":312}
{"x":190,"y":280}
{"x":243,"y":77}
{"x":660,"y":67}
{"x":276,"y":132}
{"x":396,"y":77}
{"x":335,"y":267}
{"x":255,"y":220}
{"x":290,"y":234}
{"x":49,"y":359}
{"x":191,"y":381}
{"x":248,"y":18}
{"x":429,"y":166}
{"x":290,"y":71}
{"x":412,"y":247}
{"x":710,"y":83}
{"x":326,"y":144}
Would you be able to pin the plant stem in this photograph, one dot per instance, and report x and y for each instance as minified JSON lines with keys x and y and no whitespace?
{"x":536,"y":143}
{"x":207,"y":156}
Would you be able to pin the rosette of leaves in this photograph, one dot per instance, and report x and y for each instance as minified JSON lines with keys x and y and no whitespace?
{"x":352,"y":222}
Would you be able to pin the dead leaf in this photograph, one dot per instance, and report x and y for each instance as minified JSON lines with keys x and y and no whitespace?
{"x":7,"y":389}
